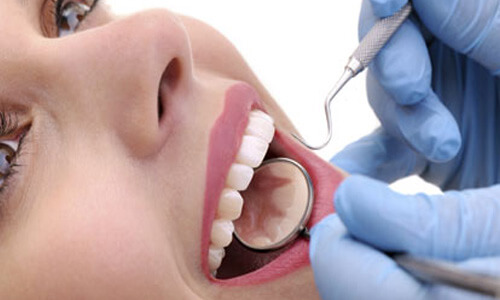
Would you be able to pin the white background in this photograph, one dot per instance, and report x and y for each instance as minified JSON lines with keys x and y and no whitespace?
{"x":298,"y":49}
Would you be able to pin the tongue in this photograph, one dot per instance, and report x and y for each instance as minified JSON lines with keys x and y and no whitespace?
{"x":274,"y":204}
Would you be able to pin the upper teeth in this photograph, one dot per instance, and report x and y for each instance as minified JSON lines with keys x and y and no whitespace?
{"x":252,"y":151}
{"x":260,"y":125}
{"x":255,"y":143}
{"x":239,"y":176}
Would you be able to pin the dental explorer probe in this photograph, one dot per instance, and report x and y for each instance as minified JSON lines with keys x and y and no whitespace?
{"x":367,"y":50}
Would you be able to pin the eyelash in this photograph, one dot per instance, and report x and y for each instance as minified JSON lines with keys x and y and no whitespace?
{"x":9,"y":124}
{"x":56,"y":9}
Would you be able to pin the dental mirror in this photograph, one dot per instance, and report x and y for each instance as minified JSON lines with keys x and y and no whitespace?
{"x":277,"y":206}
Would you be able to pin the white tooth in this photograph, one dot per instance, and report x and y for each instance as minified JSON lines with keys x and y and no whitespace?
{"x":230,"y":205}
{"x":260,"y":125}
{"x":252,"y":151}
{"x":262,"y":114}
{"x":222,"y":233}
{"x":239,"y":177}
{"x":215,"y":256}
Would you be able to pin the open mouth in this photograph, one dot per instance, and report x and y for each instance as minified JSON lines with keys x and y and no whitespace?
{"x":239,"y":143}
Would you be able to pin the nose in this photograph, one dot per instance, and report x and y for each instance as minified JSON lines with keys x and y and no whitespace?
{"x":126,"y":73}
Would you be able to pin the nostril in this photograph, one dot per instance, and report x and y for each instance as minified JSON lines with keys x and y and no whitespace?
{"x":160,"y":106}
{"x":172,"y":74}
{"x":169,"y":81}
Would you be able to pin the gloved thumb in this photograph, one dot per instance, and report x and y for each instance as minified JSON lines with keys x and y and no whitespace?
{"x":346,"y":269}
{"x":453,"y":226}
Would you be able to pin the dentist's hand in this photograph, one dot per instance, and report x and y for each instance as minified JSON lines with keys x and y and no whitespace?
{"x":435,"y":104}
{"x":422,"y":88}
{"x":459,"y":226}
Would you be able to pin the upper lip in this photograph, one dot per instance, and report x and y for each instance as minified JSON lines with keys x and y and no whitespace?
{"x":294,"y":257}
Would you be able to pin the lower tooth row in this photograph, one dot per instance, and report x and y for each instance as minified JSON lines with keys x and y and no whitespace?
{"x":254,"y":146}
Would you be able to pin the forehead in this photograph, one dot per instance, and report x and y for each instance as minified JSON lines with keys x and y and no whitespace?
{"x":19,"y":16}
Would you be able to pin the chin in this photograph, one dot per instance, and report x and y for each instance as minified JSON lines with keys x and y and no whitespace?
{"x":240,"y":266}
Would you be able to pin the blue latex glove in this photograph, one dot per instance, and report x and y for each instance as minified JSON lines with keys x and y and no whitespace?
{"x":345,"y":268}
{"x":436,"y":105}
{"x":348,"y":256}
{"x":415,"y":74}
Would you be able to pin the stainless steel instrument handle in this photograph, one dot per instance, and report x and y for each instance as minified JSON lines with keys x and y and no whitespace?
{"x":434,"y":271}
{"x":378,"y":37}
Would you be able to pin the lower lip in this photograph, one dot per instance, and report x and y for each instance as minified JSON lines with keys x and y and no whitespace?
{"x":225,"y":141}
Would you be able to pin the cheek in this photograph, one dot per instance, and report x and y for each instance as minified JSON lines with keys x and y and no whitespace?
{"x":105,"y":250}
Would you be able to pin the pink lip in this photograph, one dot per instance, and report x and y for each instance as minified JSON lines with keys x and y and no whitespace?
{"x":225,"y":141}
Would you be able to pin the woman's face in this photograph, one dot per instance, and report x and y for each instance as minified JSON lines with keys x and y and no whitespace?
{"x":128,"y":129}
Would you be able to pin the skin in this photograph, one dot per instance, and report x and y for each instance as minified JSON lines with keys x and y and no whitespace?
{"x":99,"y":208}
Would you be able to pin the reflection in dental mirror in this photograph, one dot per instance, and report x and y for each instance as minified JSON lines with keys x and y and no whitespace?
{"x":277,"y":205}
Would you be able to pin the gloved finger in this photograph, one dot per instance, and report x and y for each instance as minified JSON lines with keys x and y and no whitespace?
{"x":403,"y":67}
{"x":381,"y":156}
{"x":346,"y":269}
{"x":453,"y":226}
{"x":401,"y":74}
{"x":470,"y":27}
{"x":385,"y":8}
{"x":428,"y":127}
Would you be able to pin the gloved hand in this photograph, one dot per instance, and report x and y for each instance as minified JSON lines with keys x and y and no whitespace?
{"x":347,"y":266}
{"x":434,"y":90}
{"x":414,"y":84}
{"x":421,"y":69}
